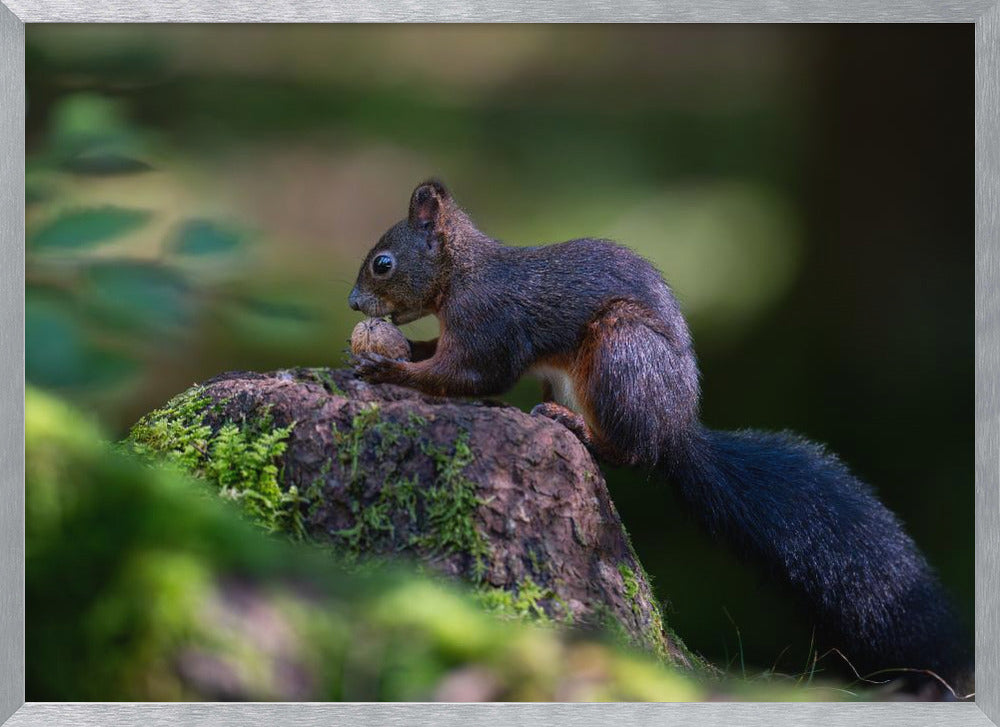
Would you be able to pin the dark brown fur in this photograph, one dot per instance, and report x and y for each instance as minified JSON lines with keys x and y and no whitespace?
{"x":603,"y":327}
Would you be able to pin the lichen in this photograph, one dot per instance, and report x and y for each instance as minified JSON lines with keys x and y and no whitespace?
{"x":241,"y":459}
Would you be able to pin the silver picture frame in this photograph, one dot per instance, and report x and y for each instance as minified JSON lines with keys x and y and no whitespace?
{"x":984,"y":14}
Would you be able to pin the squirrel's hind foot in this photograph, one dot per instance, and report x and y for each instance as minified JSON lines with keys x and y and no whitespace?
{"x":578,"y":426}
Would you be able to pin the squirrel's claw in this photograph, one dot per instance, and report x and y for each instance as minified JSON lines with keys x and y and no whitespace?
{"x":372,"y":367}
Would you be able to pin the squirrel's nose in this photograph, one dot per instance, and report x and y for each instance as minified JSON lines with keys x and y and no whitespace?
{"x":352,"y":299}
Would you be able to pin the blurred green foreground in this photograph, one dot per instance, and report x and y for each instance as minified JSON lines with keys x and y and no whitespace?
{"x":141,"y":585}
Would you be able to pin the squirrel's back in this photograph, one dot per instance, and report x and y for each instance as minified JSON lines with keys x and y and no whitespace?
{"x":602,"y":327}
{"x":555,"y":291}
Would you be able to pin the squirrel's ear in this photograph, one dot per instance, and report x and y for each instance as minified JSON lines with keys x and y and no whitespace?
{"x":426,"y":204}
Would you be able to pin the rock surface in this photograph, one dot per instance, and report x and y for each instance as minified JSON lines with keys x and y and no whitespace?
{"x":513,"y":503}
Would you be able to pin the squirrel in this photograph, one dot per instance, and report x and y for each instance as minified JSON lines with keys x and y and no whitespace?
{"x":602,"y":329}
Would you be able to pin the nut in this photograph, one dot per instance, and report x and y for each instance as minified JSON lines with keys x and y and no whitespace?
{"x":375,"y":335}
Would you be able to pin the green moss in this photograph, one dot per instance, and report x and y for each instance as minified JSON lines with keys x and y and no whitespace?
{"x":441,"y":514}
{"x":657,"y":633}
{"x":536,"y":564}
{"x":324,"y":377}
{"x":654,"y":633}
{"x":451,"y":505}
{"x":631,"y":586}
{"x":176,"y":432}
{"x":242,"y":463}
{"x":374,"y":520}
{"x":239,"y":458}
{"x":608,"y":624}
{"x":525,"y":602}
{"x":313,"y":496}
{"x":349,"y":444}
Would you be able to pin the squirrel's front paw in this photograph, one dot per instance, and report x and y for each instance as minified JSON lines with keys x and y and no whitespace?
{"x":375,"y":368}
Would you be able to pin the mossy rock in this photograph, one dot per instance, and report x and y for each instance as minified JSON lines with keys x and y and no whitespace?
{"x":512,"y":503}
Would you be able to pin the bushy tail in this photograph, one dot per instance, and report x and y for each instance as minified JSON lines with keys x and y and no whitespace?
{"x":796,"y":509}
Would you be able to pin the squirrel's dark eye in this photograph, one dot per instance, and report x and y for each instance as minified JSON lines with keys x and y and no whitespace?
{"x":382,"y":264}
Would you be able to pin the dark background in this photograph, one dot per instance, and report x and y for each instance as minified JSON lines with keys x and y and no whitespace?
{"x":199,"y":198}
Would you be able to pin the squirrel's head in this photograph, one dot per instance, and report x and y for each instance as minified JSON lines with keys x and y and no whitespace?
{"x":403,"y":274}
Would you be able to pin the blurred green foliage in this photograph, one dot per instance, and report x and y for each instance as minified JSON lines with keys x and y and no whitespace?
{"x":83,"y":228}
{"x":199,"y":198}
{"x":98,"y":312}
{"x":141,"y":585}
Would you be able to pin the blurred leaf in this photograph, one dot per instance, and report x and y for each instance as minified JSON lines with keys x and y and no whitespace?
{"x":140,"y":294}
{"x":36,"y":191}
{"x":278,"y":309}
{"x":278,"y":322}
{"x":53,"y":345}
{"x":88,"y":227}
{"x":104,"y":163}
{"x":205,"y":237}
{"x":59,"y":354}
{"x":84,"y":119}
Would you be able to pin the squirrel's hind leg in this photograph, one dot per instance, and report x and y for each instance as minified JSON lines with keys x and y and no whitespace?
{"x":637,"y":378}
